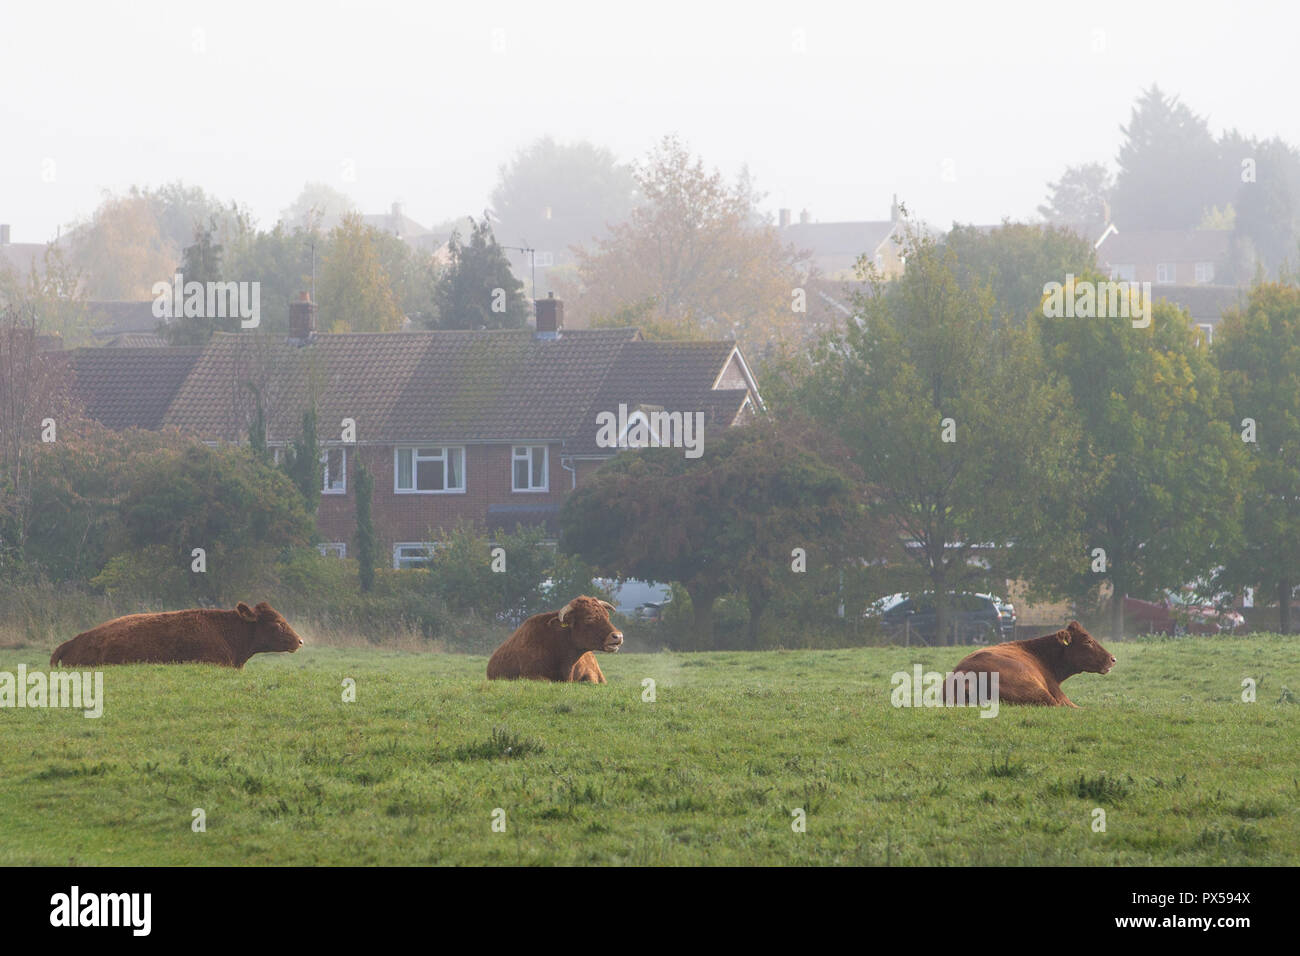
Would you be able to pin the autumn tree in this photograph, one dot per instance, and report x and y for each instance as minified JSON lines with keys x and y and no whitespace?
{"x":354,"y":292}
{"x":122,"y":251}
{"x":696,"y":252}
{"x":1257,"y":350}
{"x":52,"y":295}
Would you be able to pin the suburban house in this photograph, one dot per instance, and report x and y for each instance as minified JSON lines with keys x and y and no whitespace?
{"x":397,"y":223}
{"x":835,"y":247}
{"x":1165,"y":257}
{"x":492,"y":428}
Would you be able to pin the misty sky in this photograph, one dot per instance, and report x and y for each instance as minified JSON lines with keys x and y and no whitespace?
{"x":416,"y":97}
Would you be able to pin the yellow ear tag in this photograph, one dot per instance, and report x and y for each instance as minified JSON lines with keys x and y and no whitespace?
{"x":1066,"y":640}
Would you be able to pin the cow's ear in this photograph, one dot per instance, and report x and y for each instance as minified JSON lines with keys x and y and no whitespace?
{"x":1065,"y":638}
{"x":245,"y":611}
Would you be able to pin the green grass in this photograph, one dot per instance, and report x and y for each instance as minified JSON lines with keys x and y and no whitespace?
{"x":710,"y":773}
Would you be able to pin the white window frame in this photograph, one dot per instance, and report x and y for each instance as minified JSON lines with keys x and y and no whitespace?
{"x":416,"y":458}
{"x":1166,"y":273}
{"x":544,"y":259}
{"x":342,"y":486}
{"x":1204,"y":272}
{"x":399,"y":546}
{"x":527,"y":456}
{"x":338,"y":549}
{"x":1124,"y":272}
{"x":1208,"y":329}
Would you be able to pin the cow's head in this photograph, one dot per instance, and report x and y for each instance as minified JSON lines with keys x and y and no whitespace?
{"x":271,"y":632}
{"x":586,"y":620}
{"x":1082,"y":651}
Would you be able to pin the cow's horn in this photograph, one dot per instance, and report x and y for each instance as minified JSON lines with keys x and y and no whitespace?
{"x":608,"y":606}
{"x":564,"y":611}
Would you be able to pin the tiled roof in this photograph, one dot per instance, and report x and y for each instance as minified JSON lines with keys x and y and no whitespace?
{"x":111,"y":316}
{"x":1206,"y":303}
{"x":409,"y":386}
{"x":135,"y":340}
{"x":675,"y":376}
{"x":838,"y":238}
{"x":129,"y":387}
{"x":1166,"y":245}
{"x":402,"y":386}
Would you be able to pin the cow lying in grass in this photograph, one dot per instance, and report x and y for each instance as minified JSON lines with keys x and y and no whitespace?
{"x":557,"y":645}
{"x":200,"y":636}
{"x":1031,"y":672}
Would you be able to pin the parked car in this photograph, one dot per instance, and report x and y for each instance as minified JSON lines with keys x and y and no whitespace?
{"x":1006,"y":615}
{"x":972,"y":619}
{"x":1180,"y":614}
{"x":642,"y":601}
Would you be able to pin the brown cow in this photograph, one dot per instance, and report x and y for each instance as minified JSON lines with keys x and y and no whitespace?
{"x":199,"y":636}
{"x":1031,"y":672}
{"x":557,"y":645}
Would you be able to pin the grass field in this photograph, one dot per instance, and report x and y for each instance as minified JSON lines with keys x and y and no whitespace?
{"x":709,"y":773}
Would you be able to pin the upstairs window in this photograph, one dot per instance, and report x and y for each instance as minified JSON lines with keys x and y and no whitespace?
{"x":334,"y":472}
{"x":1166,"y":272}
{"x":529,"y":468}
{"x":1204,"y":272}
{"x":430,"y":470}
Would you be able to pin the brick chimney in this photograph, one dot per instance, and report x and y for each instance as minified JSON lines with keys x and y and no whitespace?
{"x":550,"y":317}
{"x":302,"y":319}
{"x":4,"y":233}
{"x":784,"y":218}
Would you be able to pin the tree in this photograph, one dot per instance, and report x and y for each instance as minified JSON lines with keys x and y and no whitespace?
{"x":365,"y":489}
{"x":696,"y":248}
{"x":412,"y":275}
{"x":725,"y":521}
{"x":303,"y":461}
{"x":1015,"y":261}
{"x":52,"y":295}
{"x":1257,"y":350}
{"x":184,"y":495}
{"x":1268,"y":204}
{"x":201,"y":263}
{"x":33,"y":399}
{"x":555,"y":195}
{"x":257,"y":427}
{"x":283,"y":261}
{"x":1169,"y":171}
{"x":181,"y":210}
{"x":355,"y":292}
{"x":1081,"y":197}
{"x":122,"y":251}
{"x":318,"y":207}
{"x":1166,"y":503}
{"x":954,"y":422}
{"x":478,"y":290}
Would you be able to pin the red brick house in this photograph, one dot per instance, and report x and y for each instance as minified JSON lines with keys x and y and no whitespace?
{"x":494,"y":428}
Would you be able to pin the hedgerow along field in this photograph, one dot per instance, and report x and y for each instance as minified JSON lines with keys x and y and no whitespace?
{"x":709,"y":773}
